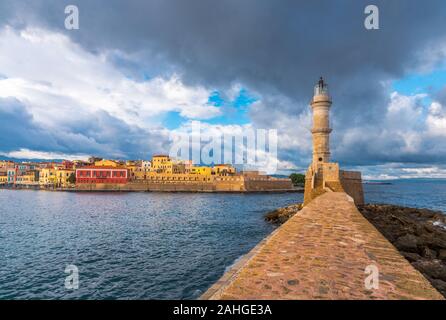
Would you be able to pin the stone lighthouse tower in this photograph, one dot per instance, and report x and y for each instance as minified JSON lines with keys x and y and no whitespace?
{"x":322,"y":175}
{"x":321,"y":104}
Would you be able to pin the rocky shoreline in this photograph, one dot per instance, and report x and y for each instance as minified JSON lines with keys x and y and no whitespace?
{"x":418,"y":234}
{"x":281,"y":215}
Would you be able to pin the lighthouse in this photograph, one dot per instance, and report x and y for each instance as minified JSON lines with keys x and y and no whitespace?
{"x":320,"y":105}
{"x":322,"y":175}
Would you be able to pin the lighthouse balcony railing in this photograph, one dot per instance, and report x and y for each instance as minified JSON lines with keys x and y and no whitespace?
{"x":318,"y":90}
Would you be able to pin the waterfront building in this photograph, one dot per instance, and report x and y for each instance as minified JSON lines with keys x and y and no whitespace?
{"x":28,"y":178}
{"x":63,"y":177}
{"x":6,"y":164}
{"x":223,"y":170}
{"x":162,"y":164}
{"x":11,"y":173}
{"x":106,"y":163}
{"x":132,"y":167}
{"x":102,"y":174}
{"x":23,"y":167}
{"x":202,"y":170}
{"x":47,"y":176}
{"x":67,"y":164}
{"x":3,"y":178}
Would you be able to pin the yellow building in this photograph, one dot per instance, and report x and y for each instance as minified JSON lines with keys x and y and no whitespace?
{"x":62,"y":177}
{"x":207,"y":171}
{"x":162,"y":164}
{"x":47,"y":176}
{"x":223,"y":170}
{"x":106,"y":163}
{"x":6,"y":164}
{"x":133,"y":169}
{"x":3,"y":178}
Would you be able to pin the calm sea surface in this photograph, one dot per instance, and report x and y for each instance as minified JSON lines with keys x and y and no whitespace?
{"x":144,"y":245}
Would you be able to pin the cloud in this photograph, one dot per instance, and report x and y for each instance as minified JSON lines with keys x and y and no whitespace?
{"x":99,"y":134}
{"x":41,"y":155}
{"x":57,"y":97}
{"x":132,"y":62}
{"x":436,"y":120}
{"x":63,"y":81}
{"x":403,"y":171}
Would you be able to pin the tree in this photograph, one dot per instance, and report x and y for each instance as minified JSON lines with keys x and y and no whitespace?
{"x":297,"y":178}
{"x":72,"y":178}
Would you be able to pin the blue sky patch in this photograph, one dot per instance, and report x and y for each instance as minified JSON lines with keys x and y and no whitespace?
{"x":421,"y":83}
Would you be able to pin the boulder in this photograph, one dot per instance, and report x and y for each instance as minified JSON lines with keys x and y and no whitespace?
{"x":428,"y":253}
{"x":434,"y":269}
{"x":407,"y":243}
{"x":440,"y":285}
{"x":442,"y":254}
{"x":410,"y":256}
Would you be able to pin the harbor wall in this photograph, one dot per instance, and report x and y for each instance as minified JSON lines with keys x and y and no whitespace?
{"x":220,"y":184}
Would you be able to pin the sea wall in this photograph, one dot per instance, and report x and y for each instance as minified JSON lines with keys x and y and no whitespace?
{"x":351,"y":182}
{"x":270,"y":184}
{"x":148,"y":186}
{"x":328,"y":250}
{"x":221,"y":184}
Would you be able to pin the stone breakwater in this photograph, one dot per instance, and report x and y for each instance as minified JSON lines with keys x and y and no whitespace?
{"x":281,"y":215}
{"x":322,"y":252}
{"x":418,"y":234}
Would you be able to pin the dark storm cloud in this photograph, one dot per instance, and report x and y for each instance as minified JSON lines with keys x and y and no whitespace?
{"x":101,"y":134}
{"x":17,"y":129}
{"x":282,"y":45}
{"x":271,"y":47}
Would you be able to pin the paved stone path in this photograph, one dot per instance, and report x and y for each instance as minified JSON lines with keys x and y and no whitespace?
{"x":322,"y":253}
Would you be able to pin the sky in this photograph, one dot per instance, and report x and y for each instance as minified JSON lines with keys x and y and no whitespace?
{"x":137,"y":72}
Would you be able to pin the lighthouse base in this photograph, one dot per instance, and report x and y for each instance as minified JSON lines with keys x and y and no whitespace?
{"x":327,"y":177}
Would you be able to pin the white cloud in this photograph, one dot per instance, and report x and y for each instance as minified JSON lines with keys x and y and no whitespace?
{"x":436,"y":120}
{"x":60,"y":82}
{"x":382,"y":176}
{"x":32,"y":154}
{"x":425,"y":172}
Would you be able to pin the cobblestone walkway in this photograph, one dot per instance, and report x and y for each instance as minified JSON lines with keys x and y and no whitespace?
{"x":322,"y":253}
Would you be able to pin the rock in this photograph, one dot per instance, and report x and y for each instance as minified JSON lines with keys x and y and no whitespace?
{"x":428,"y":253}
{"x":408,"y":243}
{"x":432,"y":268}
{"x":281,"y":215}
{"x":413,"y":232}
{"x":410,"y":256}
{"x":436,"y":240}
{"x":442,"y":254}
{"x":429,"y":228}
{"x":440,"y":285}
